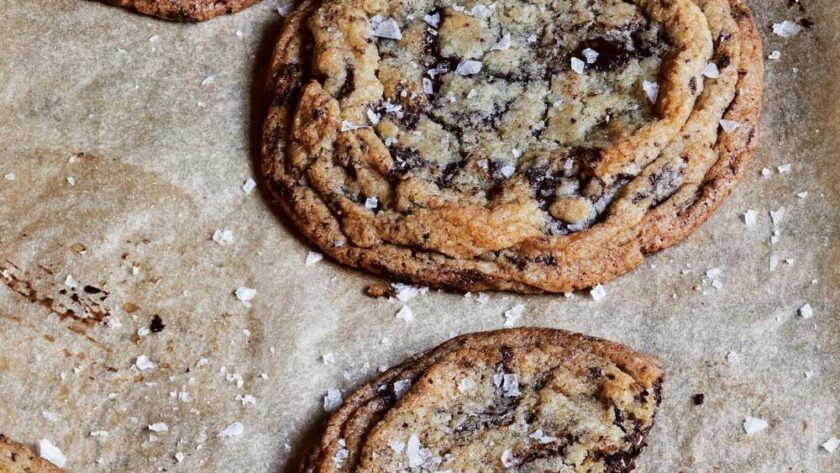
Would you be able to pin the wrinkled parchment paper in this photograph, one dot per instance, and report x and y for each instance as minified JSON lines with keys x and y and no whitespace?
{"x":125,"y":142}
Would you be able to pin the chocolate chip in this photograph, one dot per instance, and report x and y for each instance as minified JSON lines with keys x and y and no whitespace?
{"x":698,"y":399}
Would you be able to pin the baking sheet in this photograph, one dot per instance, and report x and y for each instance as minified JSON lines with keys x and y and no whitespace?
{"x":129,"y":140}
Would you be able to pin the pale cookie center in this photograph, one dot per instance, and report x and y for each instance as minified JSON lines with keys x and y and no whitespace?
{"x":478,"y":94}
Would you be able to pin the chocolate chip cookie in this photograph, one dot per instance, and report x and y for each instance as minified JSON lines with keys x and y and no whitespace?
{"x":528,"y":146}
{"x":528,"y":400}
{"x":17,"y":458}
{"x":184,"y":10}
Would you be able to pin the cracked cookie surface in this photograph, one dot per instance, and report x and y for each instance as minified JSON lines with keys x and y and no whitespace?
{"x":184,"y":10}
{"x":528,"y":400}
{"x":530,"y":146}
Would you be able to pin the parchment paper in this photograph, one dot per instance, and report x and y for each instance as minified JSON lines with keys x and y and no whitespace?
{"x":161,"y":120}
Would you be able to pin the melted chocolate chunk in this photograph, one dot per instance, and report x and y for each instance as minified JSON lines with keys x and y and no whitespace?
{"x":546,"y":450}
{"x":544,"y":184}
{"x":500,"y":413}
{"x":405,"y":160}
{"x":612,"y":55}
{"x":349,"y":82}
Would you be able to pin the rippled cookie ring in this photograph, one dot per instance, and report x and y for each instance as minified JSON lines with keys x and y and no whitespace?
{"x":524,"y":400}
{"x":527,"y":146}
{"x":184,"y":10}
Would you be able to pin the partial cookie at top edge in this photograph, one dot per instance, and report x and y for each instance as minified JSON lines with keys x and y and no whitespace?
{"x":184,"y":10}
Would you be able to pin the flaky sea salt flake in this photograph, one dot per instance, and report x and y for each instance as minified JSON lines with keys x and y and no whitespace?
{"x":49,"y":452}
{"x":754,"y":425}
{"x":503,"y":44}
{"x":577,"y":65}
{"x":158,"y":427}
{"x":313,"y":257}
{"x":711,"y":71}
{"x":508,"y":461}
{"x":388,"y":29}
{"x":831,"y":444}
{"x":513,"y":314}
{"x":245,"y":295}
{"x":466,"y":385}
{"x":786,"y":29}
{"x":750,"y":217}
{"x":284,"y":7}
{"x":806,"y":311}
{"x":652,"y":90}
{"x":143,"y":363}
{"x":401,"y":387}
{"x":405,"y":314}
{"x":70,"y":282}
{"x":598,"y":293}
{"x":729,"y":125}
{"x":223,"y":236}
{"x":233,"y":430}
{"x":432,"y":20}
{"x":249,"y":186}
{"x":428,"y":86}
{"x":468,"y":67}
{"x":713,"y":273}
{"x":347,"y":125}
{"x":590,"y":55}
{"x":413,"y":451}
{"x":776,"y":216}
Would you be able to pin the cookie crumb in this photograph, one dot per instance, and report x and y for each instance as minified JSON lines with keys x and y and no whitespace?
{"x":378,"y":290}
